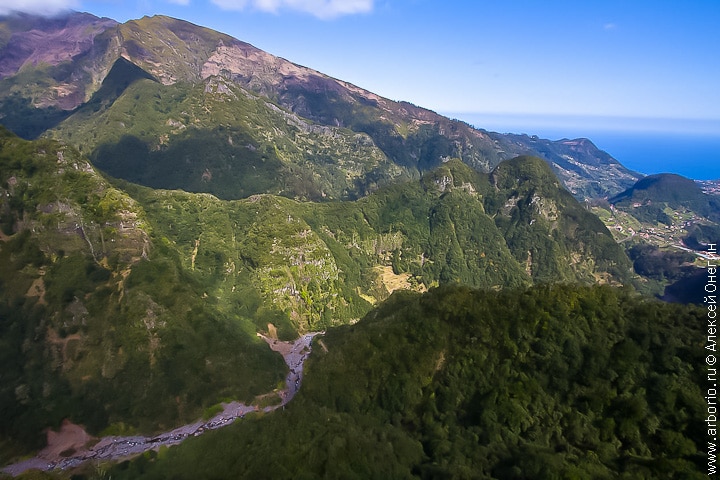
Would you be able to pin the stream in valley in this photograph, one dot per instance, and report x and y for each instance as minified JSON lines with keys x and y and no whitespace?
{"x":117,"y":447}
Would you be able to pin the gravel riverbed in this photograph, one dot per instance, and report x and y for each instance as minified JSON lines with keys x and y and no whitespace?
{"x":118,"y":447}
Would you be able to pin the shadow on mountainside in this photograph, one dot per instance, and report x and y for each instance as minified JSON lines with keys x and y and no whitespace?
{"x":201,"y":161}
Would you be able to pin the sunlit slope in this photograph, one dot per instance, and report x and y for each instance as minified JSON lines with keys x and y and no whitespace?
{"x":336,"y":139}
{"x":217,"y":138}
{"x":313,"y":265}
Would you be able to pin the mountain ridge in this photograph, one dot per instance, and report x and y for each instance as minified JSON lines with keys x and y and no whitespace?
{"x":203,"y":191}
{"x":410,"y":137}
{"x":664,"y":187}
{"x":540,"y":383}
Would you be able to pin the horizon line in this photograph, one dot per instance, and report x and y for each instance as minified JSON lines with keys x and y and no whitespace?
{"x":611,"y":123}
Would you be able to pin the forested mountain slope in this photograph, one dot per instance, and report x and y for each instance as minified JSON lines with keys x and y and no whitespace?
{"x":138,"y":308}
{"x":549,"y":382}
{"x":100,"y":322}
{"x":177,"y":191}
{"x":252,"y":109}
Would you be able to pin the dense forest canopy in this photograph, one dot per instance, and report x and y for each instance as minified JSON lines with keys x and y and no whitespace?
{"x":549,"y":382}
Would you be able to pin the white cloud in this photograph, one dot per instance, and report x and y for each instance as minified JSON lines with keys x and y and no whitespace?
{"x":609,"y":26}
{"x":324,"y":9}
{"x":43,"y":7}
{"x":179,"y":2}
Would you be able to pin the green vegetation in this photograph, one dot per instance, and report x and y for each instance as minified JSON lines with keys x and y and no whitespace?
{"x":699,"y":236}
{"x":26,"y":120}
{"x":130,"y":305}
{"x":649,"y":261}
{"x":23,"y":100}
{"x":657,"y":221}
{"x":99,"y":324}
{"x":216,"y":138}
{"x":307,"y":266}
{"x":548,"y":229}
{"x":334,"y":140}
{"x":674,"y":190}
{"x":655,"y":198}
{"x":551,"y":382}
{"x":141,"y":305}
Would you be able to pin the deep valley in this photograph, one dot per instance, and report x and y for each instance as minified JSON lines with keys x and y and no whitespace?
{"x":176,"y":206}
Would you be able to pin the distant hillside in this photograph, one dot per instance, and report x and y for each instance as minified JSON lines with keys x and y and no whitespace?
{"x":319,"y":264}
{"x":585,"y":170}
{"x":338,"y":140}
{"x":30,"y":40}
{"x":667,"y":190}
{"x":661,"y":220}
{"x":664,"y":187}
{"x":177,"y":191}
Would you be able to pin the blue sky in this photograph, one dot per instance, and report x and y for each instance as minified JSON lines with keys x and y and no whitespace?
{"x":633,"y":65}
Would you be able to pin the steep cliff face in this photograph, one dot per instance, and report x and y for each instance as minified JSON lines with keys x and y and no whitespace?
{"x":93,"y":304}
{"x":585,"y":170}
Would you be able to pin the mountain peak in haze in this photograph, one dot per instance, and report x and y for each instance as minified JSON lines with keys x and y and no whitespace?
{"x":665,"y":187}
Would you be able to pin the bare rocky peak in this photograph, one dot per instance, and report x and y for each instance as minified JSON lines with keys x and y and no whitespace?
{"x":246,"y":64}
{"x":34,"y":40}
{"x":265,"y":73}
{"x":171,"y":50}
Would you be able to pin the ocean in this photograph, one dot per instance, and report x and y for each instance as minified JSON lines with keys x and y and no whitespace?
{"x":694,"y":156}
{"x":688,"y":149}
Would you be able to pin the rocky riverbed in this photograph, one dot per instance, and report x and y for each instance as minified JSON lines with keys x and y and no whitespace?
{"x":73,"y":438}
